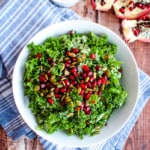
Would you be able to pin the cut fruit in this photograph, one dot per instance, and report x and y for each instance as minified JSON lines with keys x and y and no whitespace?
{"x":102,"y":5}
{"x":136,"y":30}
{"x":131,"y":9}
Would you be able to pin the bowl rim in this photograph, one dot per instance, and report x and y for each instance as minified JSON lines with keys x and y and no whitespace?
{"x":59,"y":25}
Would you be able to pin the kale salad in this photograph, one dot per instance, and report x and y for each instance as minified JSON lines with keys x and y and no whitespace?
{"x":73,"y":83}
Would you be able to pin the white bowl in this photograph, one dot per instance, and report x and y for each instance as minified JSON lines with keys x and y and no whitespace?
{"x":65,"y":3}
{"x":130,"y":82}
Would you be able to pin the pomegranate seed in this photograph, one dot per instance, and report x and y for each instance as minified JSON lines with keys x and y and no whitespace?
{"x":49,"y":85}
{"x":92,"y":79}
{"x":103,"y":2}
{"x":71,"y":77}
{"x":75,"y":74}
{"x":97,"y":67}
{"x":98,"y":93}
{"x":42,"y":78}
{"x":49,"y":59}
{"x":66,"y":82}
{"x":131,"y":8}
{"x":58,"y":95}
{"x":81,"y":107}
{"x":38,"y":55}
{"x":104,"y":80}
{"x":67,"y":65}
{"x":87,"y":96}
{"x":74,"y":69}
{"x":85,"y":68}
{"x":82,"y":92}
{"x":71,"y":32}
{"x":122,"y":10}
{"x":139,"y":5}
{"x":136,"y":31}
{"x":42,"y":86}
{"x":87,"y":110}
{"x":131,"y":3}
{"x":143,"y":6}
{"x":63,"y":103}
{"x":83,"y":86}
{"x":68,"y":61}
{"x":90,"y":73}
{"x":56,"y":90}
{"x":83,"y":74}
{"x":92,"y":56}
{"x":73,"y":59}
{"x":75,"y":50}
{"x":50,"y":100}
{"x":52,"y":63}
{"x":148,"y":5}
{"x":74,"y":82}
{"x":94,"y":83}
{"x":62,"y":90}
{"x":67,"y":53}
{"x":49,"y":74}
{"x":99,"y":82}
{"x":89,"y":85}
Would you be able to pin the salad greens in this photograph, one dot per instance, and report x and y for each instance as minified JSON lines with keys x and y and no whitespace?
{"x":73,"y":83}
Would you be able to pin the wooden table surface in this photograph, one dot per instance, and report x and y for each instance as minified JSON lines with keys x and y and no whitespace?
{"x":139,"y":138}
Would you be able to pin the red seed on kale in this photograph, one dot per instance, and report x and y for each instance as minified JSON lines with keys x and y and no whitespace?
{"x":39,"y":55}
{"x":74,"y":69}
{"x":93,"y":56}
{"x":85,"y":68}
{"x":87,"y":96}
{"x":58,"y":95}
{"x":90,"y":73}
{"x":75,"y":74}
{"x":92,"y":79}
{"x":42,"y":85}
{"x":73,"y":59}
{"x":56,"y":90}
{"x":104,"y":80}
{"x":97,"y":67}
{"x":74,"y":82}
{"x":50,"y":100}
{"x":83,"y":86}
{"x":94,"y":84}
{"x":98,"y":93}
{"x":62,"y":90}
{"x":75,"y":50}
{"x":87,"y":110}
{"x":42,"y":78}
{"x":89,"y":85}
{"x":71,"y":77}
{"x":66,"y":81}
{"x":99,"y":82}
{"x":83,"y":74}
{"x":67,"y":53}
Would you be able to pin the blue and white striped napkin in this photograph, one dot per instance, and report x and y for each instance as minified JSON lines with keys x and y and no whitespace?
{"x":19,"y":21}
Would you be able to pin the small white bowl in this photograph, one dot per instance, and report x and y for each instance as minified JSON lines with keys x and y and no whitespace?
{"x":130,"y":82}
{"x":65,"y":3}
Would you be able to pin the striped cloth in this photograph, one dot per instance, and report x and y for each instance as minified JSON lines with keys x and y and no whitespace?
{"x":19,"y":21}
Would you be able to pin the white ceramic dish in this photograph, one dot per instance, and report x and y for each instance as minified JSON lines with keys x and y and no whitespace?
{"x":65,"y":3}
{"x":130,"y":82}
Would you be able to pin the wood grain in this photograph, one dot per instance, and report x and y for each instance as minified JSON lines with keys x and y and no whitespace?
{"x":139,"y":138}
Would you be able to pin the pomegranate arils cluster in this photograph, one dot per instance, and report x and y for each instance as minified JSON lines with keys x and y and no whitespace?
{"x":86,"y":81}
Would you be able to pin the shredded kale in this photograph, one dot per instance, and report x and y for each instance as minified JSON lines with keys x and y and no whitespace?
{"x":61,"y":96}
